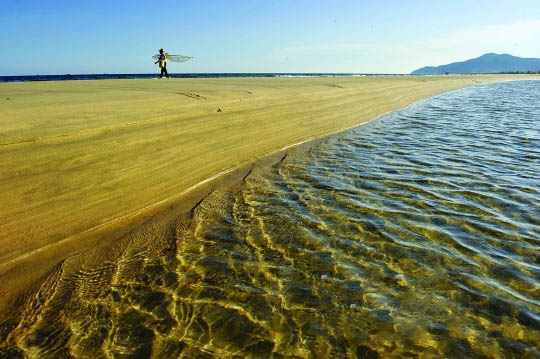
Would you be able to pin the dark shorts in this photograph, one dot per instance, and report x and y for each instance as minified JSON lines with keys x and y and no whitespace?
{"x":164,"y":72}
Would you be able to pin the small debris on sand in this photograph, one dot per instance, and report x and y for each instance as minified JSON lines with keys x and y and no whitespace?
{"x":325,"y":278}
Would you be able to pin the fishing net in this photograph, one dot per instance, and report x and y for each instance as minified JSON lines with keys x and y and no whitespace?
{"x":174,"y":58}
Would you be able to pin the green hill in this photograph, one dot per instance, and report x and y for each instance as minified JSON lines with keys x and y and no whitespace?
{"x":488,"y":63}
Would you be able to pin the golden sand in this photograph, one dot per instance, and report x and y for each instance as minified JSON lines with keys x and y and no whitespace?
{"x":80,"y":158}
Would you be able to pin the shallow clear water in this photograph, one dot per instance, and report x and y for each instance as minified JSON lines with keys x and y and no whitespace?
{"x":417,"y":236}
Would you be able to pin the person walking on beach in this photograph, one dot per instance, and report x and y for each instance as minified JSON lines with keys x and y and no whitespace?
{"x":162,"y":64}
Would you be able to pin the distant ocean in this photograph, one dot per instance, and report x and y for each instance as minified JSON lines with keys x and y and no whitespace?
{"x":154,"y":75}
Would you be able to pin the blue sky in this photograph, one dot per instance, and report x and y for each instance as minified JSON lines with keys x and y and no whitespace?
{"x":61,"y":36}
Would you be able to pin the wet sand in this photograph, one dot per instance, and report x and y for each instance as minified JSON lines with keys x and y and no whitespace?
{"x":85,"y":162}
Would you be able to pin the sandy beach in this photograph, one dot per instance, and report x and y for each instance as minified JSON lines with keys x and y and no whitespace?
{"x":83,"y":162}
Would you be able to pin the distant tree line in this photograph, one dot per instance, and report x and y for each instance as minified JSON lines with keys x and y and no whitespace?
{"x":520,"y":72}
{"x":496,"y":73}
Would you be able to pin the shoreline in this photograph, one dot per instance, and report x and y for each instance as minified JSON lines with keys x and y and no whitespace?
{"x":116,"y":228}
{"x":193,"y":75}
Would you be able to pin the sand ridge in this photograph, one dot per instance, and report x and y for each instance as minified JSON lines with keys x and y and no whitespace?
{"x":80,"y":156}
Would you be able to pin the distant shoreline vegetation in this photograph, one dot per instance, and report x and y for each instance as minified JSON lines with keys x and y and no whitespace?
{"x":521,"y":72}
{"x":485,"y":73}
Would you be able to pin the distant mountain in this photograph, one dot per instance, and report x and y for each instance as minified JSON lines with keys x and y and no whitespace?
{"x":488,"y":63}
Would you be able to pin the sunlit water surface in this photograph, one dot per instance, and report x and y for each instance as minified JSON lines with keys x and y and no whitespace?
{"x":417,"y":236}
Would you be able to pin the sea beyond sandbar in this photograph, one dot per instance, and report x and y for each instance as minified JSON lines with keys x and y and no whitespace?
{"x":82,"y":159}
